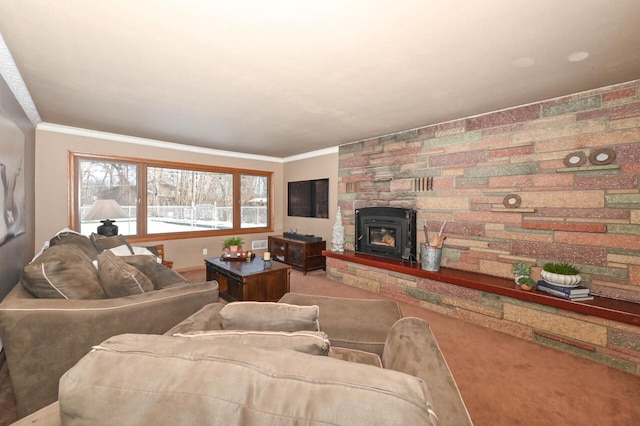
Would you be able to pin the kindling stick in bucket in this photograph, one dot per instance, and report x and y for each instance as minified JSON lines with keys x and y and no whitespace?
{"x":431,"y":252}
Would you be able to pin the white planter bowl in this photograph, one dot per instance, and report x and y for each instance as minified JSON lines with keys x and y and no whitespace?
{"x":561,"y":280}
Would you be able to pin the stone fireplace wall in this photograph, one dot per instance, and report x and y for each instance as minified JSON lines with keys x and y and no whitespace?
{"x":462,"y":171}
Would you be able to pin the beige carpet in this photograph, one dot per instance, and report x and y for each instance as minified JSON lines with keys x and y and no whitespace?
{"x":503,"y":380}
{"x":509,"y":381}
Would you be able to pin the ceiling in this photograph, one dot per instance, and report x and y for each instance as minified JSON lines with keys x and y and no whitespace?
{"x":285,"y":77}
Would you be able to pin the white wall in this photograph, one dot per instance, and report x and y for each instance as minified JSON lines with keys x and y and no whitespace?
{"x":324,"y":166}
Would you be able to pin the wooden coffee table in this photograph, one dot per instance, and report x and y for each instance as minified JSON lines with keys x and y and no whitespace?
{"x":255,"y":280}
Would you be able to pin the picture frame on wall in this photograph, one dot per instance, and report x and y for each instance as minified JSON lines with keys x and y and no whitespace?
{"x":12,"y":181}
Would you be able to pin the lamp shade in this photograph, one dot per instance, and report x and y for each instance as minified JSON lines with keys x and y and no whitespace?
{"x":105,"y":209}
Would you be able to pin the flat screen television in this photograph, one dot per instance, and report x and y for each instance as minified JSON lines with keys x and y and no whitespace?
{"x":308,"y":198}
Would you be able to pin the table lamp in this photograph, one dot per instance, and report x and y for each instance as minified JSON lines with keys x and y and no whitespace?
{"x":105,"y":211}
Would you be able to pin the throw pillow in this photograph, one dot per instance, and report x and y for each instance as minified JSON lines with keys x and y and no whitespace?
{"x":146,"y":264}
{"x":269,"y":316}
{"x":309,"y":342}
{"x":80,"y":241}
{"x":101,"y":243}
{"x":146,"y":251}
{"x":62,"y":272}
{"x":119,"y":279}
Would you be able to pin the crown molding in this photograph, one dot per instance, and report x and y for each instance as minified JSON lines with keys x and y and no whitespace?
{"x":10,"y":74}
{"x":58,"y":128}
{"x":312,"y":154}
{"x":76,"y":131}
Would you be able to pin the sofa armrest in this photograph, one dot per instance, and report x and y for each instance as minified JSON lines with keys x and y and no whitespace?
{"x":43,"y":338}
{"x":412,"y":348}
{"x":47,"y":416}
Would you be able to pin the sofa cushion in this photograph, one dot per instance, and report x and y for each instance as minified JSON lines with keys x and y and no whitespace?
{"x":81,"y":241}
{"x":118,"y":279}
{"x":269,"y":316}
{"x":146,"y":264}
{"x":101,"y":243}
{"x":361,"y":324}
{"x":354,"y":355}
{"x":167,"y":380}
{"x":309,"y":342}
{"x":62,"y":272}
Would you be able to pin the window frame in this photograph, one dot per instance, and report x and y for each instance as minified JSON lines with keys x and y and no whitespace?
{"x":142,"y":164}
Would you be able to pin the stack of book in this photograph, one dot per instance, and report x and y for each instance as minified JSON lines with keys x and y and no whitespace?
{"x":578,"y":293}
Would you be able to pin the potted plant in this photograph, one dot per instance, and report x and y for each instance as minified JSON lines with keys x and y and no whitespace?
{"x":232,"y":243}
{"x":561,"y":273}
{"x":526,"y":283}
{"x":521,"y":269}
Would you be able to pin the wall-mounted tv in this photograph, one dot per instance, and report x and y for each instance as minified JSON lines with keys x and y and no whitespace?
{"x":309,"y":198}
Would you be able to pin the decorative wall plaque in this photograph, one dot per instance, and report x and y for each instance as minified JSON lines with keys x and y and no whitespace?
{"x":602,"y":156}
{"x":575,"y":159}
{"x":512,"y":201}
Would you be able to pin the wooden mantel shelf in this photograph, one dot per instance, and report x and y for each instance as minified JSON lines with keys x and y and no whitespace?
{"x":603,"y":307}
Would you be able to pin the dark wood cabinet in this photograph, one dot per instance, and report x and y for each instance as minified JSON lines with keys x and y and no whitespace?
{"x":255,"y":280}
{"x":302,"y":255}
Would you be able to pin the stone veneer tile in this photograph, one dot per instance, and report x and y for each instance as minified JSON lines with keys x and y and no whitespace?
{"x":545,"y":123}
{"x":568,"y":327}
{"x":362,"y":283}
{"x":565,"y":226}
{"x":503,"y":170}
{"x":513,"y":329}
{"x":580,"y":104}
{"x":378,"y":275}
{"x":627,"y":123}
{"x":442,"y":203}
{"x":596,"y":138}
{"x":623,"y":229}
{"x":623,"y":354}
{"x":620,"y":200}
{"x":420,"y":294}
{"x":629,"y":92}
{"x":595,"y":356}
{"x":359,"y":161}
{"x":553,"y":133}
{"x":471,"y":182}
{"x":501,"y":118}
{"x":446,"y":289}
{"x":552,"y":251}
{"x":448,"y":141}
{"x":473,"y":307}
{"x":582,"y":199}
{"x":606,"y":112}
{"x":458,"y":158}
{"x":623,"y":259}
{"x":606,"y":182}
{"x":511,"y":151}
{"x":626,"y":340}
{"x":618,"y":241}
{"x":628,"y":154}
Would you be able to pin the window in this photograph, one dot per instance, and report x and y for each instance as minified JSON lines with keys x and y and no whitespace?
{"x":169,"y":199}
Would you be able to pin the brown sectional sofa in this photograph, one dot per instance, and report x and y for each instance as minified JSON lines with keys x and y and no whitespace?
{"x":173,"y":379}
{"x":44,"y":337}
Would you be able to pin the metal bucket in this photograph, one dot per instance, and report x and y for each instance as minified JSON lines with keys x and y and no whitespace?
{"x":430,"y":257}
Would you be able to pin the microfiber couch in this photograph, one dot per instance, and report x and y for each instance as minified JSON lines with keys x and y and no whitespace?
{"x":78,"y":292}
{"x":313,"y":361}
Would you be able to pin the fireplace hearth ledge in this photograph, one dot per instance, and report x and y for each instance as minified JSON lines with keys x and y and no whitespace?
{"x":603,"y":307}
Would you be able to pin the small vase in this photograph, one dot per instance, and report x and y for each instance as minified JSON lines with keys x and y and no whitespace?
{"x":526,"y":287}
